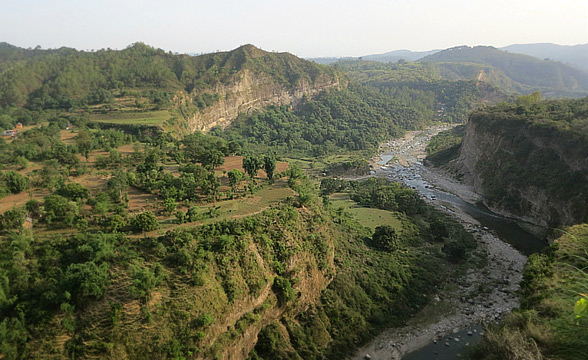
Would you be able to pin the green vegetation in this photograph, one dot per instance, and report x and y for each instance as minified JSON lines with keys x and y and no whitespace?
{"x":147,"y":245}
{"x":66,"y":78}
{"x":342,"y":120}
{"x":421,"y":88}
{"x":134,"y":118}
{"x":547,"y":326}
{"x":382,"y":277}
{"x":540,"y":142}
{"x":512,"y":71}
{"x":445,"y":146}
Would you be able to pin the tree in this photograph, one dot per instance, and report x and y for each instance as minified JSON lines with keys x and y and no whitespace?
{"x":59,"y":209}
{"x":251,"y":164}
{"x":87,"y":279}
{"x":211,"y":186}
{"x":73,"y":191}
{"x":115,"y":222}
{"x":212,"y":158}
{"x":385,"y":238}
{"x":193,"y":214}
{"x":118,"y":185}
{"x":269,"y":165}
{"x":235,"y":176}
{"x":145,"y":221}
{"x":85,"y":143}
{"x":12,"y":219}
{"x":15,"y":182}
{"x":170,"y":205}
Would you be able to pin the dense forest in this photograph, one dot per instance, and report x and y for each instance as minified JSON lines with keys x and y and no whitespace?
{"x":358,"y":118}
{"x":422,"y":87}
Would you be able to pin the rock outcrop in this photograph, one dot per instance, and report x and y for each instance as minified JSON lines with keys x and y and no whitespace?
{"x":538,"y":174}
{"x":252,"y":91}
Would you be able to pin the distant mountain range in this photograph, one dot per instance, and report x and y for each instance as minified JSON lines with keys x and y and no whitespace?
{"x":556,"y":70}
{"x":392,"y":56}
{"x":525,"y":72}
{"x":575,"y":55}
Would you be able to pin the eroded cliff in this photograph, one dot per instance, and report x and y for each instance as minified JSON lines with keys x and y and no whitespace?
{"x":530,"y":162}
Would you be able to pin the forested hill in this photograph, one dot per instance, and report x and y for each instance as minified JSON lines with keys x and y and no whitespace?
{"x":575,"y":55}
{"x":552,"y":77}
{"x":66,"y":78}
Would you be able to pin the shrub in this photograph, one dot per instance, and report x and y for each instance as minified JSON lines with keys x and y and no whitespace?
{"x":282,"y":287}
{"x":385,"y":238}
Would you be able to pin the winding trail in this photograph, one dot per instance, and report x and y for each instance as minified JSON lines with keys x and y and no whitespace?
{"x":484,"y":293}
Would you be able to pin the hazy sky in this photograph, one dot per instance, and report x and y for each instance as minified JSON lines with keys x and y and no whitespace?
{"x":307,"y":28}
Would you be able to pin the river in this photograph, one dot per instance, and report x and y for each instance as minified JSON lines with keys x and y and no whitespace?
{"x":500,"y":240}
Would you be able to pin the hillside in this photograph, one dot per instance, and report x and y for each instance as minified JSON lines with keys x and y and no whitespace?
{"x":391,"y":56}
{"x":575,"y":55}
{"x":531,"y":74}
{"x":425,"y":88}
{"x":529,"y":159}
{"x":397,"y":55}
{"x":182,"y":249}
{"x":552,"y":322}
{"x":199,"y":92}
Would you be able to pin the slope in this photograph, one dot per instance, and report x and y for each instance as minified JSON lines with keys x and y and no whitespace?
{"x":552,"y":77}
{"x":141,"y":78}
{"x":575,"y":55}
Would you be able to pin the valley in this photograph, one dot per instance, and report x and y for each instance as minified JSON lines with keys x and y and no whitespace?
{"x":460,"y":306}
{"x":254,"y":205}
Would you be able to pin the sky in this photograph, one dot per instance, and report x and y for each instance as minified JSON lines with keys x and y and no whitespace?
{"x":307,"y":28}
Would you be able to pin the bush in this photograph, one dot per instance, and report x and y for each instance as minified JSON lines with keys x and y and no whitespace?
{"x":12,"y":219}
{"x":73,"y":191}
{"x":283,"y":290}
{"x":385,"y":238}
{"x":455,"y":251}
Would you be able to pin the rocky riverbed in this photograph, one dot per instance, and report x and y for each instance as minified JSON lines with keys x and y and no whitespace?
{"x":483,"y":293}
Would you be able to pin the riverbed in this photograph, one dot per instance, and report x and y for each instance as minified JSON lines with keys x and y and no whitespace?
{"x":481,"y":294}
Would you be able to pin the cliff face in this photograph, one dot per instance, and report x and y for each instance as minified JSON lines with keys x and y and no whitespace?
{"x":534,"y":173}
{"x":252,"y":91}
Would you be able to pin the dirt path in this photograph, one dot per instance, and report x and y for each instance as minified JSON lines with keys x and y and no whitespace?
{"x":482,"y":294}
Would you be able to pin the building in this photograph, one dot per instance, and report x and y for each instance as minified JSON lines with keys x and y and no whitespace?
{"x":9,"y":133}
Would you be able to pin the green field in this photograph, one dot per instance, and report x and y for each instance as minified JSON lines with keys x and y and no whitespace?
{"x":369,"y":217}
{"x":133,"y":118}
{"x":252,"y":204}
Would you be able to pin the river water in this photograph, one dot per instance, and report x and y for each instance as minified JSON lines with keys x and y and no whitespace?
{"x":506,"y":229}
{"x":406,"y":167}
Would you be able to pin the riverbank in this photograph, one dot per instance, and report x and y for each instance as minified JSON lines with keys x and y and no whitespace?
{"x":483,"y":293}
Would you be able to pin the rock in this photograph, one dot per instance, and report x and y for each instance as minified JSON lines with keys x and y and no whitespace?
{"x":470,"y":333}
{"x":367,"y":357}
{"x":447,"y":344}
